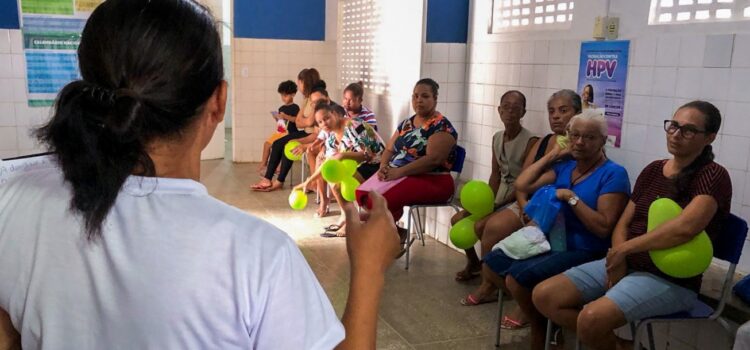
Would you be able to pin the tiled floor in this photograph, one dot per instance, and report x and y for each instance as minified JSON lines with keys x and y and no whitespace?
{"x":420,"y":307}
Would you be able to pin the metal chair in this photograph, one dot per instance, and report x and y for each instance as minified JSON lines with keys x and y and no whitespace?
{"x":727,"y":247}
{"x":458,"y":166}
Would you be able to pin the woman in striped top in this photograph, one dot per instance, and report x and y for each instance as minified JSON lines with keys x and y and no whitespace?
{"x":626,"y":286}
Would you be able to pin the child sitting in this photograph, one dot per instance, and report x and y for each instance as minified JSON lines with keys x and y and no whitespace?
{"x":287,"y":90}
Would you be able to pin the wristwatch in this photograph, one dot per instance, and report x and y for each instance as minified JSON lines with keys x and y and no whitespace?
{"x":573,"y":201}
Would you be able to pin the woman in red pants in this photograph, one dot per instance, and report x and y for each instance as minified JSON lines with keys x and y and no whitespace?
{"x":418,"y":156}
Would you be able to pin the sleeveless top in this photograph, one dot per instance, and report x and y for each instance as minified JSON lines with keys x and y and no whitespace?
{"x":308,"y":109}
{"x":510,"y":156}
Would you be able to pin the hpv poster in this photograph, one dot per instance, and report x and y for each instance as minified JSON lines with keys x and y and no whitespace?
{"x":602,"y":75}
{"x":51,"y":34}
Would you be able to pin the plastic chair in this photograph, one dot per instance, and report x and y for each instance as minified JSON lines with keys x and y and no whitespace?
{"x":727,"y":247}
{"x":458,"y":166}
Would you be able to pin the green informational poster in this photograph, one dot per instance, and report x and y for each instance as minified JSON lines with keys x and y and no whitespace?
{"x":51,"y":35}
{"x":50,"y":7}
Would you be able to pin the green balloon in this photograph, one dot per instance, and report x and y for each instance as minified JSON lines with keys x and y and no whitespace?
{"x":348,"y":188}
{"x":350,"y":167}
{"x":288,"y":150}
{"x":298,"y":200}
{"x":462,"y":233}
{"x":477,"y":198}
{"x":332,"y":171}
{"x":685,"y":260}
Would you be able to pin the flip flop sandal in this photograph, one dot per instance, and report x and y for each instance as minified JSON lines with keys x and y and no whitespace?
{"x":332,"y":227}
{"x":260,"y":188}
{"x":328,"y":235}
{"x":514,"y":324}
{"x":471,"y":300}
{"x":464,"y":276}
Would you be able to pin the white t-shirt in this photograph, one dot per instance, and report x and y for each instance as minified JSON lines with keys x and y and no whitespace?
{"x":174,"y":269}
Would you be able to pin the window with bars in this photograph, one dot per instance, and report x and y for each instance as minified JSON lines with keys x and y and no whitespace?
{"x":361,"y":54}
{"x":512,"y":15}
{"x":695,"y":11}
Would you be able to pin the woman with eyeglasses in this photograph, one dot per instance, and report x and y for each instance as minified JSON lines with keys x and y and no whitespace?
{"x":626,"y":286}
{"x":594,"y":191}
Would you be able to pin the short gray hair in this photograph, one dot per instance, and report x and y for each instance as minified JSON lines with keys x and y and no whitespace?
{"x":593,"y":115}
{"x":570,"y":95}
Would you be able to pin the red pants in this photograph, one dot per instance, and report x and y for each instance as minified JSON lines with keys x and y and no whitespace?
{"x":417,"y":189}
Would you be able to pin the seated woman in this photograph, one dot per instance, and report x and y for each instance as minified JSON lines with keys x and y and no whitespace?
{"x":561,"y":107}
{"x":303,"y":122}
{"x":509,"y":150}
{"x":594,"y":191}
{"x":627,"y":286}
{"x":346,"y":139}
{"x":419,"y":155}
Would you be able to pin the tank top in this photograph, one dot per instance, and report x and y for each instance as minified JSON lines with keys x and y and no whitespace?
{"x":308,"y":110}
{"x":510,"y":157}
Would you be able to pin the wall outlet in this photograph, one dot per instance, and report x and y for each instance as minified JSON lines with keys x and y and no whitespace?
{"x":613,"y":27}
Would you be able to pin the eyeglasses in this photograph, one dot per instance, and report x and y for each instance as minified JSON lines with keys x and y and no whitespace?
{"x":587,"y":138}
{"x":687,"y":131}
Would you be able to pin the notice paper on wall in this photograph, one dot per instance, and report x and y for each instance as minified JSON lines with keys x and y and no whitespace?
{"x":602,"y":75}
{"x":51,"y":35}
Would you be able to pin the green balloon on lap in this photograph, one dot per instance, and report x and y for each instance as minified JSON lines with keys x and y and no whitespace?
{"x":298,"y":200}
{"x":477,"y":198}
{"x":685,"y":260}
{"x":348,"y":188}
{"x":288,"y":150}
{"x":462,"y":234}
{"x":332,"y":171}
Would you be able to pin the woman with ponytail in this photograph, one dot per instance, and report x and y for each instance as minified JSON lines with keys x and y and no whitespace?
{"x":119,"y":246}
{"x":626,"y":286}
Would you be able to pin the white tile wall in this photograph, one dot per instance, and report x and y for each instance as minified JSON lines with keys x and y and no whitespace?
{"x":259,"y":66}
{"x":16,"y":118}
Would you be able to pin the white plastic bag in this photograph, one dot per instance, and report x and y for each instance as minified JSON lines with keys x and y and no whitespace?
{"x":527,"y":242}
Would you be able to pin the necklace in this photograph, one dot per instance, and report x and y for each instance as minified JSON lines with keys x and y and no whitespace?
{"x":575,"y":180}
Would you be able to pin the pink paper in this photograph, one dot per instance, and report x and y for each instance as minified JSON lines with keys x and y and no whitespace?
{"x":376,"y":185}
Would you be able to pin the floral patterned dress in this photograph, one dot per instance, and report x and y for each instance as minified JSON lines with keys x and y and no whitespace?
{"x":411,"y":143}
{"x":358,"y":137}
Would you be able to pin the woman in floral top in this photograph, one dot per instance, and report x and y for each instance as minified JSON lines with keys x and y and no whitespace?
{"x":347,"y":138}
{"x":419,"y":155}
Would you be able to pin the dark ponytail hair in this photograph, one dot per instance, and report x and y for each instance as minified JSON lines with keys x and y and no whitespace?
{"x":712,"y":119}
{"x":147,"y":69}
{"x":356,"y":89}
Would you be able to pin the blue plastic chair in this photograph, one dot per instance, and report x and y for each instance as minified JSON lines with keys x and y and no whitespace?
{"x":458,"y":166}
{"x":727,"y":247}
